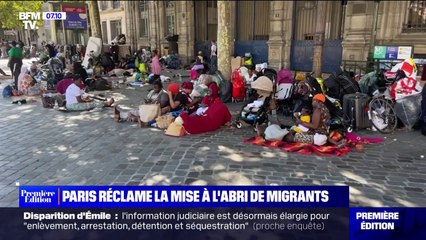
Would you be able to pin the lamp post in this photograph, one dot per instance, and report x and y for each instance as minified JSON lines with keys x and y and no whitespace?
{"x":370,"y":59}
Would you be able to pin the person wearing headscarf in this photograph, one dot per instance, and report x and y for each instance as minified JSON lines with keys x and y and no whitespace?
{"x":192,"y":103}
{"x":25,"y":80}
{"x":212,"y":96}
{"x":176,"y":98}
{"x":318,"y":127}
{"x":211,"y":115}
{"x":156,"y":96}
{"x":50,"y":50}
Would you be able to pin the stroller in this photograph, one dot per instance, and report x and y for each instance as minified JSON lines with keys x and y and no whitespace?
{"x":55,"y":72}
{"x":339,"y":120}
{"x":256,"y":112}
{"x":284,"y":92}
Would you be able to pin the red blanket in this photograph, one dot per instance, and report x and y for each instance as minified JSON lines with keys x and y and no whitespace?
{"x":308,"y":149}
{"x":216,"y":116}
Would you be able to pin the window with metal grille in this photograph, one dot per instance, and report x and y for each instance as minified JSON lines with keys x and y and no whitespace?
{"x":143,"y":6}
{"x":116,"y":4}
{"x":104,"y":5}
{"x":143,"y":23}
{"x":359,"y":8}
{"x":143,"y":28}
{"x":253,"y":20}
{"x":205,"y":20}
{"x":415,"y":20}
{"x":115,"y":28}
{"x":104,"y":31}
{"x":170,"y":25}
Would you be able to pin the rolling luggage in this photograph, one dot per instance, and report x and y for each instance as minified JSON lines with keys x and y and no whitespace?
{"x":355,"y":106}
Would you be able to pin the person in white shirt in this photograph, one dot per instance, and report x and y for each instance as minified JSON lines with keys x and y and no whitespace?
{"x":213,"y":57}
{"x":76,"y":101}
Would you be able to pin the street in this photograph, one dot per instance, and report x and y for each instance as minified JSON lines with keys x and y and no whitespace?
{"x":41,"y":146}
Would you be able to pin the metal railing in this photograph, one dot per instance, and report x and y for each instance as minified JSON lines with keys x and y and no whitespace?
{"x":358,"y":67}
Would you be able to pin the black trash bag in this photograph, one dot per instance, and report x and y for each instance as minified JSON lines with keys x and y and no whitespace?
{"x":423,"y":115}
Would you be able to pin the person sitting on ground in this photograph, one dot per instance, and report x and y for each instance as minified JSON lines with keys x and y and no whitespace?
{"x":123,"y":63}
{"x":209,"y":99}
{"x":24,"y":80}
{"x":200,"y":57}
{"x":318,"y":127}
{"x":305,"y":116}
{"x":156,"y":96}
{"x":62,"y":85}
{"x":76,"y":101}
{"x":187,"y":88}
{"x":78,"y":69}
{"x":215,"y":115}
{"x":98,"y":70}
{"x":177,"y":99}
{"x":90,"y":64}
{"x":34,"y":72}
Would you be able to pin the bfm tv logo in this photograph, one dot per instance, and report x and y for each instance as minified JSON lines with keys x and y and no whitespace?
{"x":30,"y":18}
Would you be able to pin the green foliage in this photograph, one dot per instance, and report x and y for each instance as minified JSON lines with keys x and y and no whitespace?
{"x":9,"y":12}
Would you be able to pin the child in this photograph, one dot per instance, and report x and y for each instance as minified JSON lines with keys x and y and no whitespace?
{"x":305,"y":116}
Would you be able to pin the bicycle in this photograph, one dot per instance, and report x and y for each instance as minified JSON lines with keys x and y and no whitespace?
{"x":381,"y":111}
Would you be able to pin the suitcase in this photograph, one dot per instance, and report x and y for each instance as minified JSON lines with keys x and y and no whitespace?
{"x":355,"y":107}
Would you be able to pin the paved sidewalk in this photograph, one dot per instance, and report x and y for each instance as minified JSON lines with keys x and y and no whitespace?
{"x":44,"y":147}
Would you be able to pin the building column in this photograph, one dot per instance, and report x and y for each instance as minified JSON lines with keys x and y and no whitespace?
{"x":130,"y":22}
{"x":153,"y":24}
{"x":53,"y":26}
{"x":185,"y":30}
{"x":280,"y":34}
{"x":162,"y":27}
{"x":319,"y":38}
{"x":224,"y":38}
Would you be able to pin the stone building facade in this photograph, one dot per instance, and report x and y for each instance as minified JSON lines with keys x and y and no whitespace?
{"x":280,"y":32}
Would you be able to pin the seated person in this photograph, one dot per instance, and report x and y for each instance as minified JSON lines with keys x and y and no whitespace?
{"x":177,"y":99}
{"x":318,"y":128}
{"x":90,"y":64}
{"x":78,"y":69}
{"x":187,"y":88}
{"x":248,"y":79}
{"x":123,"y":63}
{"x":209,"y":99}
{"x":215,"y":116}
{"x":62,"y":85}
{"x":76,"y":101}
{"x":156,"y":96}
{"x":98,"y":69}
{"x":34,"y":72}
{"x":305,"y":116}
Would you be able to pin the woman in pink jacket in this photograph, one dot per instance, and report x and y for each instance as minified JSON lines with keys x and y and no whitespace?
{"x":155,"y":65}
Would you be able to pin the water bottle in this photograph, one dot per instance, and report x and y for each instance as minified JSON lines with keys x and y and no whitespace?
{"x":56,"y":106}
{"x":180,"y":77}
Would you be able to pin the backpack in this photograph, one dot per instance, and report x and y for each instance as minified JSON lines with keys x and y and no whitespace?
{"x":7,"y":91}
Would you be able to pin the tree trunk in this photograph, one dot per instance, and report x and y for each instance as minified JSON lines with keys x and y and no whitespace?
{"x":319,"y":38}
{"x":95,"y":22}
{"x":224,"y":38}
